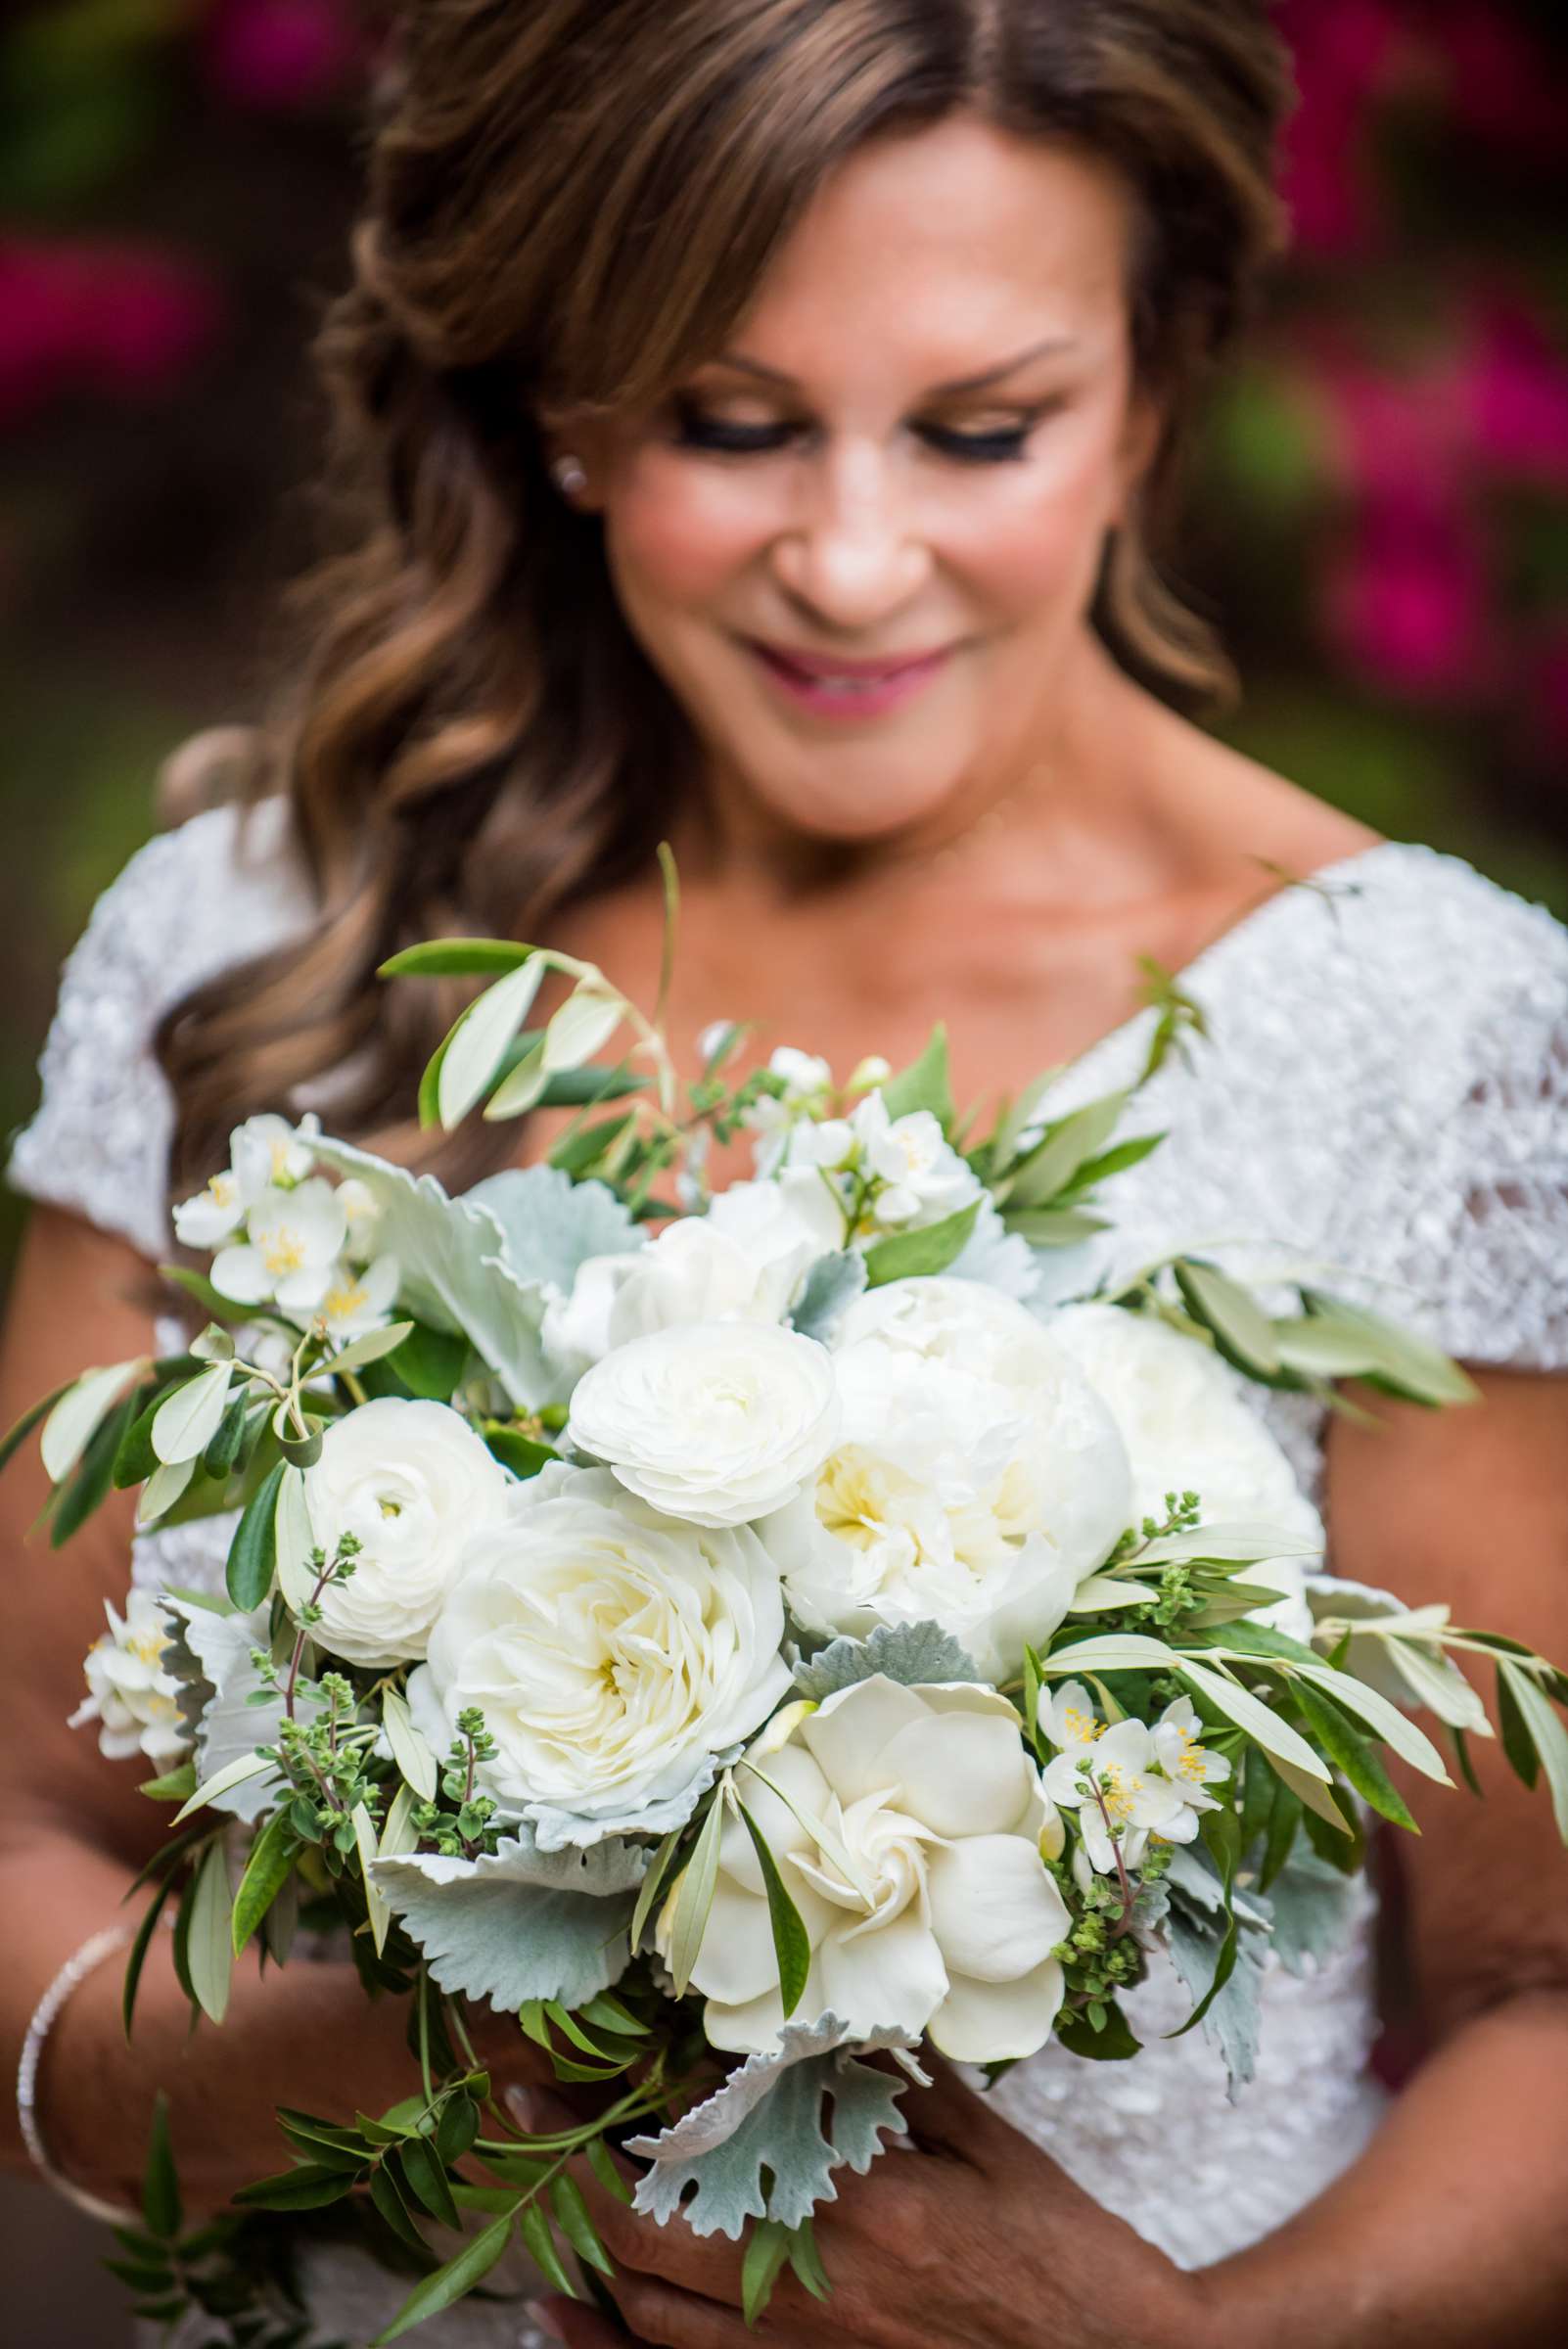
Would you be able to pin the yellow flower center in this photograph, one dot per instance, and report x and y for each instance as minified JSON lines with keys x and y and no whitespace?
{"x":1081,"y":1728}
{"x":339,"y":1304}
{"x":282,"y":1252}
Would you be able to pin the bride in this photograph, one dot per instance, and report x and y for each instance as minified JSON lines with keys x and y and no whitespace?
{"x":763,"y":415}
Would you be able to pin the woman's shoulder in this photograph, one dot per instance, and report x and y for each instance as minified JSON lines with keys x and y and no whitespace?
{"x":1400,"y":957}
{"x":225,"y":884}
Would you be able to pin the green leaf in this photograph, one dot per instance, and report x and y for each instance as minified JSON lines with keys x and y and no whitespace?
{"x":455,"y":958}
{"x":648,"y":1890}
{"x":792,"y":1944}
{"x":210,"y":1953}
{"x":135,"y":1460}
{"x":371,"y":1348}
{"x":576,"y":2221}
{"x":694,"y":1896}
{"x":458,"y":2128}
{"x":1284,"y":1818}
{"x":767,"y":2254}
{"x":80,"y":1410}
{"x":410,"y":1750}
{"x":924,"y":1084}
{"x":1132,"y":1153}
{"x":172,"y":1787}
{"x":1323,"y":1347}
{"x":253,"y":1550}
{"x":601,"y":2161}
{"x":18,"y":1435}
{"x":160,"y":2187}
{"x":807,"y":2261}
{"x":1066,"y":1148}
{"x":89,"y":1487}
{"x":390,"y":2200}
{"x":534,"y":2228}
{"x":1517,"y":1742}
{"x":910,"y":1254}
{"x":273,"y":1857}
{"x":1383,"y":1719}
{"x":1262,"y":1725}
{"x":1546,"y":1734}
{"x":518,"y":1453}
{"x":1053,"y":1226}
{"x":224,"y":1449}
{"x":430,"y":1364}
{"x":1403,"y":1363}
{"x":310,"y":2186}
{"x":1238,"y":1325}
{"x":1113,"y":2043}
{"x":187,"y":1420}
{"x":474,"y":1049}
{"x":1352,"y":1757}
{"x":199,"y":1289}
{"x":427,"y":2181}
{"x":233,"y":1773}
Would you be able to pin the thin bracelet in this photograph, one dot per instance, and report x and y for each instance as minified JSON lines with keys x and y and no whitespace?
{"x":71,"y":1976}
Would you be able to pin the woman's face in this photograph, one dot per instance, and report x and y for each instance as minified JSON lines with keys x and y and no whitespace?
{"x":861,"y":546}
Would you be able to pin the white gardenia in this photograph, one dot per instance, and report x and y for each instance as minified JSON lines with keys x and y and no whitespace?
{"x":976,"y":1480}
{"x":613,"y":1651}
{"x":414,"y":1484}
{"x":1188,"y":1424}
{"x":718,"y":1422}
{"x":133,"y":1699}
{"x":925,"y":1898}
{"x":743,"y":1260}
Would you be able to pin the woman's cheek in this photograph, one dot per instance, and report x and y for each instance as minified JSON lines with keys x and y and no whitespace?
{"x":677,"y":534}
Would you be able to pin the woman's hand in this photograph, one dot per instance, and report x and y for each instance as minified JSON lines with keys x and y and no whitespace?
{"x":973,"y":2240}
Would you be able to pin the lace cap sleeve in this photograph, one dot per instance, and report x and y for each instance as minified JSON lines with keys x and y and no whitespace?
{"x":214,"y":892}
{"x":1483,"y":1243}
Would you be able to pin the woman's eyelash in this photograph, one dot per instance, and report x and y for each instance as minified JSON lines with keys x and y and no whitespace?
{"x":697,"y":430}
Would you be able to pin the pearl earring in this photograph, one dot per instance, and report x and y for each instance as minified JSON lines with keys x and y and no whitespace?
{"x":570,"y":475}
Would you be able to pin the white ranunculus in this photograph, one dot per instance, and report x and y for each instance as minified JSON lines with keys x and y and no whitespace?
{"x":925,"y":1897}
{"x":743,"y":1260}
{"x":133,"y":1699}
{"x":1189,"y":1424}
{"x":614,"y":1653}
{"x":976,"y":1478}
{"x":413,"y":1483}
{"x":718,"y":1422}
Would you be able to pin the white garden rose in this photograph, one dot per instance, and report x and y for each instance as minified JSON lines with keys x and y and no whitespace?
{"x":133,"y":1699}
{"x":413,"y":1483}
{"x":976,"y":1480}
{"x":1189,"y":1423}
{"x":718,"y":1422}
{"x":614,"y":1653}
{"x":925,"y":1898}
{"x":743,"y":1260}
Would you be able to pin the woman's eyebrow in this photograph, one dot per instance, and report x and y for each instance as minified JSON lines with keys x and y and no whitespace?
{"x":968,"y":383}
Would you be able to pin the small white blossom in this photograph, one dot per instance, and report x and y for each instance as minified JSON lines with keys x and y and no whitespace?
{"x":358,"y":1298}
{"x":777,"y":1117}
{"x":294,"y":1239}
{"x":1115,"y":1784}
{"x":1187,"y":1762}
{"x":130,"y":1695}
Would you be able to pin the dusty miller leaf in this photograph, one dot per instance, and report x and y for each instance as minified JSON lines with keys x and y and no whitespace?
{"x":552,"y":1225}
{"x":833,"y":1282}
{"x":1233,"y":2023}
{"x":770,"y":2116}
{"x":1313,"y":1905}
{"x":211,"y":1657}
{"x":521,"y":1923}
{"x":915,"y":1654}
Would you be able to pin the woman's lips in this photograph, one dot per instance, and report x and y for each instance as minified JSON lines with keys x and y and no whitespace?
{"x":850,"y":689}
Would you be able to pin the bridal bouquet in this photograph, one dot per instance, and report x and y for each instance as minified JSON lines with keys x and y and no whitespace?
{"x":848,"y":1619}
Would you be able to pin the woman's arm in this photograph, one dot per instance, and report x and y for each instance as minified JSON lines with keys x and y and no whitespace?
{"x":74,"y":1831}
{"x":1450,"y":2230}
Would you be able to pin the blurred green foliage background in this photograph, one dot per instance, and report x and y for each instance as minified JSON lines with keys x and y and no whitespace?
{"x":1380,"y":519}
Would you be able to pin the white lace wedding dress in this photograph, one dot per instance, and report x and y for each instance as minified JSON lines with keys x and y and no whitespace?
{"x":1385,"y":1091}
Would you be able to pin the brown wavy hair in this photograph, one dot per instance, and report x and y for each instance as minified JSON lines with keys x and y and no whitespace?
{"x":573,"y":203}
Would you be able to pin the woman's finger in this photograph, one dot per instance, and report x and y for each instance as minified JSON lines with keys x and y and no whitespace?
{"x":662,"y":2313}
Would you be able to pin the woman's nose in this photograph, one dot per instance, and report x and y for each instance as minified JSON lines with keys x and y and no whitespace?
{"x":853,"y":554}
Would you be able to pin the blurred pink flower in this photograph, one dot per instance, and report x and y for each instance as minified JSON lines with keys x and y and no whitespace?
{"x":1396,"y":437}
{"x":1343,"y":52}
{"x":99,"y":317}
{"x":1409,"y":603}
{"x":1517,"y":388}
{"x":282,"y":53}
